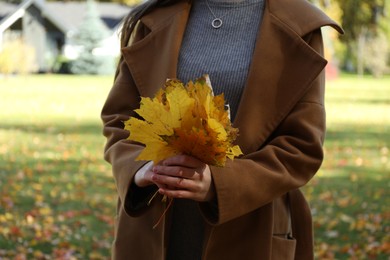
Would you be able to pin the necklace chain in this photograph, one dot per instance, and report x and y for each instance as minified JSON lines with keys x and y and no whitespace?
{"x":216,"y":23}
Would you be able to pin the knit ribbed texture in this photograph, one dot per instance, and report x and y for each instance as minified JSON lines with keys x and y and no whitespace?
{"x":225,"y":54}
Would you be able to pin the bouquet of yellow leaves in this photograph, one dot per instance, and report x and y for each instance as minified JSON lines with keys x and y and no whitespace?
{"x":184,"y":119}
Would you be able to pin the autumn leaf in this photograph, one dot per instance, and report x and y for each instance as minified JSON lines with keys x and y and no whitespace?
{"x":184,"y":119}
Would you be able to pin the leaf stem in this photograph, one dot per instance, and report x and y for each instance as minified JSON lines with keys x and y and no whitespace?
{"x":164,"y":213}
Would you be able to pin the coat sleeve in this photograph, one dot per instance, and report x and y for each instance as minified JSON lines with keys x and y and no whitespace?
{"x":121,"y":102}
{"x":288,"y":159}
{"x":121,"y":153}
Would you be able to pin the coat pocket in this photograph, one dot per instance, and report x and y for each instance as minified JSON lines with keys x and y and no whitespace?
{"x":283,"y":248}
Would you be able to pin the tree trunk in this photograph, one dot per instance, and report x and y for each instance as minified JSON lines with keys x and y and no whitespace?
{"x":361,"y":45}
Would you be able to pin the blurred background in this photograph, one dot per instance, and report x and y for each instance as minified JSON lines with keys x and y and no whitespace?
{"x":57,"y":195}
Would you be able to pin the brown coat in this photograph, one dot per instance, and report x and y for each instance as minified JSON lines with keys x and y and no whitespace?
{"x":281,"y":119}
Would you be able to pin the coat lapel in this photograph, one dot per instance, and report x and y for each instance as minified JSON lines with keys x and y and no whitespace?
{"x":282,"y":70}
{"x":154,"y":58}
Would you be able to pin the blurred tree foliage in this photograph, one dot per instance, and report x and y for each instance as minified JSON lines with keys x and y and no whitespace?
{"x":365,"y":24}
{"x":365,"y":45}
{"x":89,"y":37}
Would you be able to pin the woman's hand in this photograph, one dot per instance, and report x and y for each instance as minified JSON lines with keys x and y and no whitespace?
{"x":183,"y":176}
{"x":143,"y":177}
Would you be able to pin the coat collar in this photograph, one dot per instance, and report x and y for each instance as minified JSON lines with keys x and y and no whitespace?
{"x":282,"y":70}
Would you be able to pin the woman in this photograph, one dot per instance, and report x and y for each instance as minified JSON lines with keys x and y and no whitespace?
{"x":266,"y":57}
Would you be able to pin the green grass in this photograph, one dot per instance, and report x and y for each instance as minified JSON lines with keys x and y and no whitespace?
{"x":350,"y":194}
{"x":57,"y":195}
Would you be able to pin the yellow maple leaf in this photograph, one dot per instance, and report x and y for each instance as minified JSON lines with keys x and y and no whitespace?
{"x":184,"y":119}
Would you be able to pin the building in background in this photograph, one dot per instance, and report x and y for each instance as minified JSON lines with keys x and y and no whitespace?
{"x":49,"y":28}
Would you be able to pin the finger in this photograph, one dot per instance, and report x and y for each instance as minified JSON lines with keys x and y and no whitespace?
{"x":176,"y":183}
{"x":176,"y":171}
{"x":183,"y":160}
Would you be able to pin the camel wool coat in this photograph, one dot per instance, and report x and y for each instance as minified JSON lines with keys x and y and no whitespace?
{"x":259,"y":211}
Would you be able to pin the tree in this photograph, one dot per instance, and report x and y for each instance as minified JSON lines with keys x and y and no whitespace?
{"x":89,"y":37}
{"x":366,"y":24}
{"x":332,"y":44}
{"x":376,"y":54}
{"x":362,"y":21}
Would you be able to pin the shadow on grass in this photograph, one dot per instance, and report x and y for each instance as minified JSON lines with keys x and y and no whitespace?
{"x":377,"y":101}
{"x":55,"y":129}
{"x":346,"y":173}
{"x":65,"y":184}
{"x":353,"y":133}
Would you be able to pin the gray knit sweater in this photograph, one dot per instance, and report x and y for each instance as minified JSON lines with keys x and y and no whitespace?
{"x":225,"y":54}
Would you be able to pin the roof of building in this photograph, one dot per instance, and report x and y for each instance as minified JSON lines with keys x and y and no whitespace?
{"x":6,"y":9}
{"x":71,"y":14}
{"x":68,"y":15}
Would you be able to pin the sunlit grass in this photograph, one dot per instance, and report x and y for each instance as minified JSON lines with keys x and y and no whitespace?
{"x":53,"y":99}
{"x":58,"y":197}
{"x":360,"y":102}
{"x":350,"y":194}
